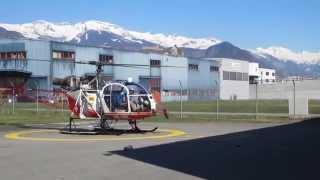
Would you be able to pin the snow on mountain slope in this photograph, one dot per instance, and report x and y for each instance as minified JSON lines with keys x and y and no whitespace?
{"x":68,"y":32}
{"x":289,"y":55}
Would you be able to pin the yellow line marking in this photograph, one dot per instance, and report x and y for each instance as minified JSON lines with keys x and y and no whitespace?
{"x":21,"y":135}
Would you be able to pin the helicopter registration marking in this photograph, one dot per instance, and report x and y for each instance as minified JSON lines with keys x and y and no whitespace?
{"x":26,"y":135}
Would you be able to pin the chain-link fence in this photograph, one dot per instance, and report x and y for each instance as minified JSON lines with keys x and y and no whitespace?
{"x":19,"y":106}
{"x":284,"y":100}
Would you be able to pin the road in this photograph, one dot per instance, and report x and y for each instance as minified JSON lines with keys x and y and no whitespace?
{"x":220,"y":150}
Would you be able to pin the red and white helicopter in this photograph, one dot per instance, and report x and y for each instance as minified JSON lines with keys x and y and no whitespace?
{"x":108,"y":102}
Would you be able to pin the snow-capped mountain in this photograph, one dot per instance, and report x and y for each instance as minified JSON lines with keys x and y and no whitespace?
{"x":289,"y":55}
{"x":78,"y":32}
{"x":284,"y":68}
{"x":98,"y":33}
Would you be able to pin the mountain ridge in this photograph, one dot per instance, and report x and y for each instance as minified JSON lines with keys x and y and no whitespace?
{"x":69,"y":32}
{"x":104,"y":34}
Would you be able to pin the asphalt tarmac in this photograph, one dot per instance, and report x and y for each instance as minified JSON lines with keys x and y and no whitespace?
{"x":220,"y":150}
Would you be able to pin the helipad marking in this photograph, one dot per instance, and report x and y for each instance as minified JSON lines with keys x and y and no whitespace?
{"x":21,"y":135}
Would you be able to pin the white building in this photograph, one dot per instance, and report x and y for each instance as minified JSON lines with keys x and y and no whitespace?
{"x":267,"y":75}
{"x":261,"y":75}
{"x":234,"y":78}
{"x":254,"y":72}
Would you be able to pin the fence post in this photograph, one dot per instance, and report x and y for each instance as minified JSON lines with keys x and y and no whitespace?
{"x":13,"y":97}
{"x":62,"y":102}
{"x":181,"y":116}
{"x":217,"y":101}
{"x":294,"y":99}
{"x":37,"y":99}
{"x":256,"y":100}
{"x":217,"y":114}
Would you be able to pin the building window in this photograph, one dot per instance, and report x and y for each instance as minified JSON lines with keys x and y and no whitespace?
{"x":267,"y":73}
{"x":193,"y":67}
{"x":214,"y":68}
{"x":155,"y":63}
{"x":245,"y":77}
{"x":272,"y":74}
{"x":233,"y":76}
{"x":66,"y":55}
{"x":239,"y":76}
{"x":226,"y":75}
{"x":19,"y":55}
{"x":107,"y":59}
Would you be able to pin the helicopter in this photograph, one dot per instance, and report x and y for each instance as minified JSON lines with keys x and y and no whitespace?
{"x":111,"y":101}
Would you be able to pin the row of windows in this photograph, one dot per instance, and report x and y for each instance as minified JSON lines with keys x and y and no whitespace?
{"x":195,"y":67}
{"x":69,"y":55}
{"x":235,"y":76}
{"x":13,"y":55}
{"x":214,"y":68}
{"x":155,"y":63}
{"x":65,"y":55}
{"x":106,"y":59}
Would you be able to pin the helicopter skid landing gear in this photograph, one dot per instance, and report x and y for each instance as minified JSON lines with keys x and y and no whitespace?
{"x":71,"y":125}
{"x":136,"y":129}
{"x":105,"y":124}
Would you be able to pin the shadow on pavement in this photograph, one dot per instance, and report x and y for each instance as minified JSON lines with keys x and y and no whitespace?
{"x":284,"y":152}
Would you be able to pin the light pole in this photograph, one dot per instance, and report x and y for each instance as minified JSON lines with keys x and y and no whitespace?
{"x":37,"y":93}
{"x":181,"y":116}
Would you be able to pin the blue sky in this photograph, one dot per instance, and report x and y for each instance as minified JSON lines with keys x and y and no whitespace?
{"x":247,"y":23}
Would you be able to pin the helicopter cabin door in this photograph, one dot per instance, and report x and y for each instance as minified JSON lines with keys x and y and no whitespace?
{"x":118,"y":100}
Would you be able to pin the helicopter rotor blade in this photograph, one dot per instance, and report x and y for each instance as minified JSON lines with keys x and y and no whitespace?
{"x":98,"y":63}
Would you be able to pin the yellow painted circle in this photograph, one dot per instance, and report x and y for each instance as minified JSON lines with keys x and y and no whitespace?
{"x":21,"y":135}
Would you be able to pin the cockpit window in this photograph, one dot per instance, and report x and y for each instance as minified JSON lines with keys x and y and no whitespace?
{"x":136,"y":89}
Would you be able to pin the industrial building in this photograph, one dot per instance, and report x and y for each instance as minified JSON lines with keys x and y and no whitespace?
{"x":234,"y":79}
{"x":25,"y":63}
{"x":29,"y":63}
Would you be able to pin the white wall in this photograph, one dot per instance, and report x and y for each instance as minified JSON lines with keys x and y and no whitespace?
{"x":122,"y":73}
{"x":228,"y":89}
{"x":231,"y":88}
{"x":172,"y":75}
{"x":254,"y":69}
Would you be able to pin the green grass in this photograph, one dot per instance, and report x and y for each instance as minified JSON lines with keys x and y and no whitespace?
{"x":314,"y":106}
{"x":239,"y":106}
{"x":213,"y":118}
{"x":26,"y":112}
{"x":26,"y":117}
